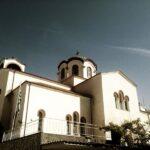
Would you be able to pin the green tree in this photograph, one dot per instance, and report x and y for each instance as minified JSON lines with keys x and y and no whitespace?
{"x":116,"y":132}
{"x":130,"y":132}
{"x":138,"y":131}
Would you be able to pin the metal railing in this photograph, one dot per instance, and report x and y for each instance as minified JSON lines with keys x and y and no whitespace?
{"x":53,"y":126}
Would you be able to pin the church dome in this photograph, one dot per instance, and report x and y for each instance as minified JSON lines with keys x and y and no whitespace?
{"x":77,"y":66}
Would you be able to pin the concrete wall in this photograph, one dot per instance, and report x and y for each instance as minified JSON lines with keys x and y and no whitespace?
{"x":3,"y":86}
{"x":93,"y":88}
{"x":73,"y":80}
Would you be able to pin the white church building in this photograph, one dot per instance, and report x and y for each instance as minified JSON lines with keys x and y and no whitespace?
{"x":80,"y":102}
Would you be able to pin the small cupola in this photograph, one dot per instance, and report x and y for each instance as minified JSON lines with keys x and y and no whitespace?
{"x":76,"y":66}
{"x":12,"y":63}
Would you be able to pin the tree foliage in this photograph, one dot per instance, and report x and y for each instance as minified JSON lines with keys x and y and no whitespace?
{"x":130,"y":132}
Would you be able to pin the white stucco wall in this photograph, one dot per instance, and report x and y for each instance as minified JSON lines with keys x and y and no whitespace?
{"x":11,"y":79}
{"x":78,"y":80}
{"x":93,"y":87}
{"x":73,"y":80}
{"x":56,"y":104}
{"x":145,"y":118}
{"x":86,"y":65}
{"x":15,"y":78}
{"x":113,"y":82}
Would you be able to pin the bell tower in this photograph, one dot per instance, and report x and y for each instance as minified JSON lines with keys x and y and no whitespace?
{"x":12,"y":63}
{"x":76,"y":69}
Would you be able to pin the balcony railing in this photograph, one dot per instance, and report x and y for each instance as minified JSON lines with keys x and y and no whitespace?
{"x":53,"y":126}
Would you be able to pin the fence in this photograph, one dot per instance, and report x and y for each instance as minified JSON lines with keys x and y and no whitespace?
{"x":53,"y":126}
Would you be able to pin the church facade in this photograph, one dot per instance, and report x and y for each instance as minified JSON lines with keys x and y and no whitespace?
{"x":80,"y":102}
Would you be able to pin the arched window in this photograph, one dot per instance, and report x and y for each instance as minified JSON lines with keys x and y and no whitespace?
{"x":63,"y":73}
{"x":68,"y":119}
{"x":116,"y":100}
{"x":121,"y":95}
{"x":14,"y":66}
{"x":82,"y":126}
{"x":89,"y":72}
{"x":75,"y":122}
{"x":41,"y":115}
{"x":121,"y":104}
{"x":75,"y":70}
{"x":127,"y":103}
{"x":121,"y":100}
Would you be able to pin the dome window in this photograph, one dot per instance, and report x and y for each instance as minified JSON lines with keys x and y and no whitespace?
{"x":63,"y":73}
{"x":14,"y":66}
{"x":75,"y":70}
{"x":1,"y":66}
{"x":89,"y":72}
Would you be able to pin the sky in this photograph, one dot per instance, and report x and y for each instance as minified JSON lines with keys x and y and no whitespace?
{"x":113,"y":33}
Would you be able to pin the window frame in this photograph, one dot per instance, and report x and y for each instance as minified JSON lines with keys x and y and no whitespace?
{"x":62,"y":73}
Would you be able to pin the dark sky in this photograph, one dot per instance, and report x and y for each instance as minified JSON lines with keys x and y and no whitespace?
{"x":114,"y":33}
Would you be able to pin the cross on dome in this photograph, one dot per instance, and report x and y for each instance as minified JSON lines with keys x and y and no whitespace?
{"x":77,"y":52}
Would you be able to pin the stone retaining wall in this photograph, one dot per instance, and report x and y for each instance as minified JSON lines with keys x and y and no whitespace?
{"x":31,"y":142}
{"x":48,"y":138}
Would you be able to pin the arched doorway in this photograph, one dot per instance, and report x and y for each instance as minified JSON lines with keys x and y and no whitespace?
{"x":75,"y":123}
{"x":68,"y":119}
{"x":82,"y":126}
{"x":41,"y":115}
